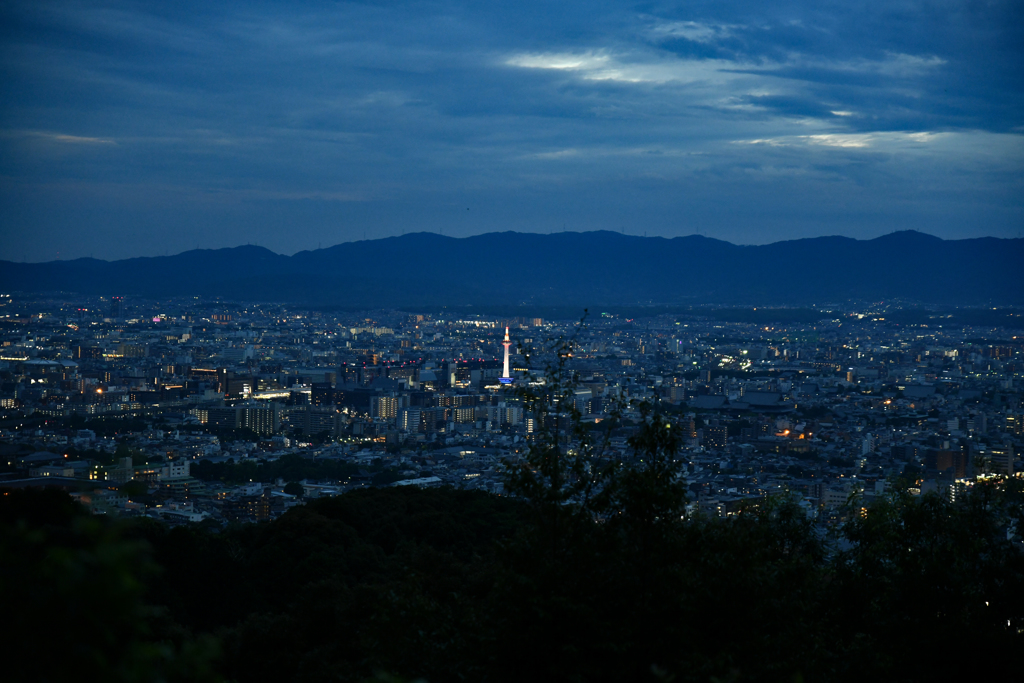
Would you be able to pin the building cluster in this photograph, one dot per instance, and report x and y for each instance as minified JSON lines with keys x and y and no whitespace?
{"x":160,"y":408}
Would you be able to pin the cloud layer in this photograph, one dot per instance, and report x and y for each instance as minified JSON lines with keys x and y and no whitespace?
{"x":135,"y":128}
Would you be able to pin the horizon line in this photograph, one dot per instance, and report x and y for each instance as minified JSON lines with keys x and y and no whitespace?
{"x":511,"y":232}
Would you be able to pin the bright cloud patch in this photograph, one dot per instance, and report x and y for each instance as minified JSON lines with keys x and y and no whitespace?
{"x":596,"y":66}
{"x":693,"y":31}
{"x":848,"y":140}
{"x":586,"y":61}
{"x":62,"y":138}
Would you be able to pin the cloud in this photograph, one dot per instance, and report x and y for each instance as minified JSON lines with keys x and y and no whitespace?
{"x":693,"y":31}
{"x":74,"y":139}
{"x":61,"y":138}
{"x":602,"y":66}
{"x":849,"y":140}
{"x":557,"y":154}
{"x":587,"y":61}
{"x":335,"y":119}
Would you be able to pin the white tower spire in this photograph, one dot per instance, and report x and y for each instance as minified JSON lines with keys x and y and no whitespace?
{"x":506,"y":378}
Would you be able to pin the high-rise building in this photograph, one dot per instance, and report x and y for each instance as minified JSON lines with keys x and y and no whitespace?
{"x":409,"y":419}
{"x":1015,"y":424}
{"x":229,"y":417}
{"x":1000,"y":459}
{"x":463,"y":415}
{"x":88,"y":352}
{"x":247,"y":508}
{"x":503,"y":414}
{"x":214,"y":379}
{"x":117,"y":307}
{"x":582,"y":399}
{"x":431,"y":418}
{"x":317,"y":420}
{"x":322,"y":394}
{"x":717,"y":436}
{"x":263,"y":419}
{"x":385,"y":407}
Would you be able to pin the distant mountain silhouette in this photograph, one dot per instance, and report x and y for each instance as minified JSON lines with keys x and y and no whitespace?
{"x":590,"y":268}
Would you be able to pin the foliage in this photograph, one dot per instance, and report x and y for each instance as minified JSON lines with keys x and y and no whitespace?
{"x":134,"y":489}
{"x":73,"y":588}
{"x":378,"y":579}
{"x":290,"y":467}
{"x":96,"y":455}
{"x":647,"y":494}
{"x":107,"y":426}
{"x":462,"y":585}
{"x":138,"y":457}
{"x":919,"y":568}
{"x":562,"y":470}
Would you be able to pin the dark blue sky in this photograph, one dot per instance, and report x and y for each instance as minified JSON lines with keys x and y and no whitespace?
{"x":134,"y":129}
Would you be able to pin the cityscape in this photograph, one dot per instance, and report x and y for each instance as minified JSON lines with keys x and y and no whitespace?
{"x":449,"y":342}
{"x":201,"y":403}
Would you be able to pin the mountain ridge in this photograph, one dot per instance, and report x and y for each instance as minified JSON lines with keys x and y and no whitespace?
{"x":586,"y":268}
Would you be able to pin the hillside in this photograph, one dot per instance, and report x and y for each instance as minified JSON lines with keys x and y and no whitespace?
{"x":585,"y":269}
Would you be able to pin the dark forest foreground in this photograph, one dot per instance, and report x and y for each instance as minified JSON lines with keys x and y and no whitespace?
{"x":450,"y":585}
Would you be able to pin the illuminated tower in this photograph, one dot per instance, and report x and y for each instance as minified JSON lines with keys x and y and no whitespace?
{"x":506,"y":378}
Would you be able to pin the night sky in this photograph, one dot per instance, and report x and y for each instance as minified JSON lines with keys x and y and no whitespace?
{"x":131,"y":129}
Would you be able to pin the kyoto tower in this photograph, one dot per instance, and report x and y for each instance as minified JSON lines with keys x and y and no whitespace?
{"x":506,"y":378}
